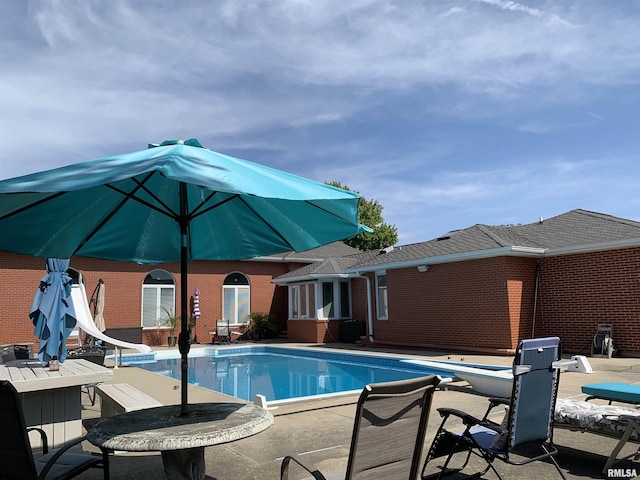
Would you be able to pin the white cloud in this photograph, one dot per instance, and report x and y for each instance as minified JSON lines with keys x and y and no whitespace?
{"x":327,"y":89}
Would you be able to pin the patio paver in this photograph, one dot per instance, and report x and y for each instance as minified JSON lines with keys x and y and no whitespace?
{"x":322,"y":429}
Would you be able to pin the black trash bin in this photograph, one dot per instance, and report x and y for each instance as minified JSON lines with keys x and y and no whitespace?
{"x":351,"y":331}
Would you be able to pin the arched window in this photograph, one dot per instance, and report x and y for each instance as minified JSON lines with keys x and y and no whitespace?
{"x":236,"y":294}
{"x":158,"y":294}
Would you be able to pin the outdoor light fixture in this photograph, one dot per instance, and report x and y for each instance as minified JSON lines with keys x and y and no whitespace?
{"x":423,"y":268}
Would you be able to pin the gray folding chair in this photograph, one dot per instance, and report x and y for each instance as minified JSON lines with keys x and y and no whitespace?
{"x":223,"y":331}
{"x":525,"y":434}
{"x":388,"y":432}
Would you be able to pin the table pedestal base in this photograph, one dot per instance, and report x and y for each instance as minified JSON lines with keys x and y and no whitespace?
{"x":187,"y":464}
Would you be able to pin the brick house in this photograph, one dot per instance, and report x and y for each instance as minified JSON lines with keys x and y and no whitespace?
{"x":481,"y":289}
{"x":135,"y":293}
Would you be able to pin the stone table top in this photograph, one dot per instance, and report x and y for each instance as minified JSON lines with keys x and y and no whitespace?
{"x":164,"y":429}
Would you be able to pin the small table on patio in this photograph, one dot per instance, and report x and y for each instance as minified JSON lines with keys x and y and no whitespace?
{"x":180,"y":439}
{"x":52,"y":400}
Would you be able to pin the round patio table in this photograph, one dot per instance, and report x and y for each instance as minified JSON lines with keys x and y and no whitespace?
{"x":181,"y":439}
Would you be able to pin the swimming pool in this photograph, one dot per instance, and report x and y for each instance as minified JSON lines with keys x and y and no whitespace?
{"x":281,"y":373}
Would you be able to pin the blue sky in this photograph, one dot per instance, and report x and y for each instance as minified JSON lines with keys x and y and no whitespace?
{"x":448,"y":112}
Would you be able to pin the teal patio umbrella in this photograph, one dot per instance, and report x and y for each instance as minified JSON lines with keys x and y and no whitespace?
{"x":172,"y":202}
{"x":52,"y":311}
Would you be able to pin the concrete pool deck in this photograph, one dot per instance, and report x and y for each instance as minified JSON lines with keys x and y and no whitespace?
{"x":321,"y":429}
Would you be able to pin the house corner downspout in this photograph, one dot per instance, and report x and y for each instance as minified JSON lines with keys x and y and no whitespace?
{"x":369,"y":311}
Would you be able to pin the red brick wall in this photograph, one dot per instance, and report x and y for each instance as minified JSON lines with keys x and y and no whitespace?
{"x":521,"y":276}
{"x":579,"y":291}
{"x":488,"y":304}
{"x":328,"y":331}
{"x":478,"y":304}
{"x":315,"y":331}
{"x":359,"y":308}
{"x":17,"y":289}
{"x":123,"y":281}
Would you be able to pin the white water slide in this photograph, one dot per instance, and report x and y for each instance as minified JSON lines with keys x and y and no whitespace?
{"x":85,"y":321}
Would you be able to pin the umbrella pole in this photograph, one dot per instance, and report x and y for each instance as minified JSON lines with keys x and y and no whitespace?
{"x":183,"y":339}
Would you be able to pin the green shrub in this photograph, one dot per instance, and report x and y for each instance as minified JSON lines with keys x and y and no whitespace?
{"x":170,"y":321}
{"x":262,"y":325}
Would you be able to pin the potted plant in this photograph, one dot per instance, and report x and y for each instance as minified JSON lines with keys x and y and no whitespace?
{"x":262,"y":325}
{"x":171,"y":321}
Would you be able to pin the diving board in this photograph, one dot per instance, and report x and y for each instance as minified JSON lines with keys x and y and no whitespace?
{"x":488,"y":381}
{"x":495,"y":380}
{"x":85,"y":321}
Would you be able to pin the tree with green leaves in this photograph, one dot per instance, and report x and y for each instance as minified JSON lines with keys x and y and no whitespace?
{"x":370,"y":214}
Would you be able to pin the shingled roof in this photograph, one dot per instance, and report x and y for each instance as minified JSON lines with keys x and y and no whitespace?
{"x":572,"y":232}
{"x":578,"y":228}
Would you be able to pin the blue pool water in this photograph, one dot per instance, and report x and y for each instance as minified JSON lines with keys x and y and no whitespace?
{"x":280,"y":373}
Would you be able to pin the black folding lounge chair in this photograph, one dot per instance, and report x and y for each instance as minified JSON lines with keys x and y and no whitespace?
{"x":526,"y":433}
{"x":16,"y":456}
{"x":388,"y":432}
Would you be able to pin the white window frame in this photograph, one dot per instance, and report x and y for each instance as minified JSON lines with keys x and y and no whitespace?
{"x":382,"y":297}
{"x":294,"y":301}
{"x":314,"y":304}
{"x":337,"y":300}
{"x":149,"y":289}
{"x":236,"y":289}
{"x":321,"y":305}
{"x":301,"y":307}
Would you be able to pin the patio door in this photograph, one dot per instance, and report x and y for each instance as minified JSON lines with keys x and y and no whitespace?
{"x":236,"y":294}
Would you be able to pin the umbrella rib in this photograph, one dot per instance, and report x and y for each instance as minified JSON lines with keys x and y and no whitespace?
{"x":31,"y":205}
{"x":333,"y":214}
{"x":267,"y":224}
{"x":127,"y":196}
{"x":142,"y":185}
{"x":264,"y":221}
{"x":197,"y":211}
{"x":131,"y":196}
